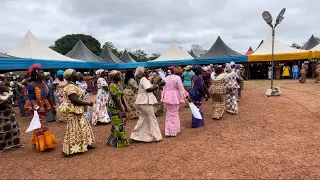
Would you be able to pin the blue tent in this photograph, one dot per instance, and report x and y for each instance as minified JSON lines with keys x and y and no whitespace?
{"x":24,"y":63}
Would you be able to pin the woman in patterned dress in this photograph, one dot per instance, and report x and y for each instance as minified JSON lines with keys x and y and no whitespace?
{"x":218,"y":91}
{"x":41,"y":101}
{"x":83,"y":85}
{"x":196,"y":92}
{"x":9,"y":127}
{"x":232,"y":87}
{"x":79,"y":136}
{"x":147,"y":128}
{"x":158,"y":107}
{"x":117,"y":108}
{"x":100,"y":113}
{"x":129,"y":94}
{"x":60,"y":84}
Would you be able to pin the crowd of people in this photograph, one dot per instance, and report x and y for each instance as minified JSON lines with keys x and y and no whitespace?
{"x":120,"y":96}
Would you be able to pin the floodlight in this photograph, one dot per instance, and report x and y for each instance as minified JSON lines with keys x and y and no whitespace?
{"x":267,"y":17}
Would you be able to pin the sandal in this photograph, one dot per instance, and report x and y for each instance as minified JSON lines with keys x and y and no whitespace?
{"x":91,"y":147}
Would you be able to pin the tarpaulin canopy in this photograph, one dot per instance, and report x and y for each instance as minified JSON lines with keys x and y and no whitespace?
{"x":24,"y":64}
{"x":249,"y":52}
{"x":31,"y":47}
{"x":193,"y":54}
{"x":220,"y":49}
{"x":108,"y":56}
{"x":125,"y":57}
{"x":282,"y":52}
{"x":312,"y":42}
{"x":81,"y":52}
{"x":174,"y":52}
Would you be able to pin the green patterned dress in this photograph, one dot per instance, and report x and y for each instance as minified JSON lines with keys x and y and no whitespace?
{"x":117,"y":137}
{"x":129,"y":94}
{"x":158,"y":107}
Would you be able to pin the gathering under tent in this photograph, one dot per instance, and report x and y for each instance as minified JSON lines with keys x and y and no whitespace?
{"x":249,"y":52}
{"x":125,"y":57}
{"x":81,"y":52}
{"x":220,"y":49}
{"x":312,"y":42}
{"x":31,"y":47}
{"x":108,"y":56}
{"x":193,"y":54}
{"x":174,"y":52}
{"x":282,"y":52}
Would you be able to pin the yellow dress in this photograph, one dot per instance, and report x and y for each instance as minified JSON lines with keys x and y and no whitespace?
{"x":286,"y":71}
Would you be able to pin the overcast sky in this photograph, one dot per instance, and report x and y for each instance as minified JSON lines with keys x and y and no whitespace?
{"x":153,"y":24}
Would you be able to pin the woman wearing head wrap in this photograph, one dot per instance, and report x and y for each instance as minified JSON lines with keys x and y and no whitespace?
{"x":186,"y":78}
{"x":50,"y":115}
{"x":129,"y":94}
{"x":158,"y":107}
{"x":79,"y":136}
{"x":41,"y":101}
{"x":147,"y":128}
{"x":100,"y":113}
{"x":173,"y":95}
{"x":232,"y":87}
{"x":83,"y":85}
{"x":60,"y":84}
{"x":303,"y":72}
{"x":9,"y":127}
{"x":117,"y":108}
{"x":196,"y":92}
{"x":218,"y":91}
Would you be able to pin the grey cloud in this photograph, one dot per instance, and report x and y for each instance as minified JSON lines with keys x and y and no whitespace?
{"x":153,"y":24}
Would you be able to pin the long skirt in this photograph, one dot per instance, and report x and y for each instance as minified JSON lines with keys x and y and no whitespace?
{"x":303,"y":78}
{"x":132,"y":112}
{"x":172,"y":122}
{"x":218,"y":105}
{"x":232,"y":104}
{"x":43,"y":138}
{"x":9,"y":129}
{"x":117,"y":137}
{"x":100,"y":112}
{"x":186,"y":101}
{"x":79,"y":134}
{"x":147,"y":128}
{"x":195,"y":123}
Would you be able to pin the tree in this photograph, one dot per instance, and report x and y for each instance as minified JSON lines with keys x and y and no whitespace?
{"x":141,"y":55}
{"x":113,"y":49}
{"x":154,"y":56}
{"x":64,"y":44}
{"x":196,"y":48}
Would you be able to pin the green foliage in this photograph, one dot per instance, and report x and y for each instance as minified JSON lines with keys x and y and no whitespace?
{"x":113,"y":49}
{"x":154,"y":56}
{"x":140,"y":55}
{"x":64,"y":44}
{"x":295,"y":45}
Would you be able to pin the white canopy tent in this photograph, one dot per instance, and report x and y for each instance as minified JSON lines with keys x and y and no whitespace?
{"x":174,"y":52}
{"x":31,"y":47}
{"x":282,"y":52}
{"x":279,"y":47}
{"x":316,"y":48}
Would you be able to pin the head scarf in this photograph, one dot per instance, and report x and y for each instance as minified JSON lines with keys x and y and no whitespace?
{"x":139,"y":71}
{"x":34,"y":67}
{"x":237,"y":66}
{"x":47,"y":73}
{"x":188,"y":68}
{"x":228,"y":67}
{"x":196,"y":69}
{"x":113,"y":74}
{"x":78,"y":73}
{"x":205,"y":68}
{"x":60,"y":73}
{"x":178,"y":70}
{"x":67,"y":73}
{"x":99,"y":72}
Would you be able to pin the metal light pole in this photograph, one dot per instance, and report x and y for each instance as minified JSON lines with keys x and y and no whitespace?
{"x":268,"y":18}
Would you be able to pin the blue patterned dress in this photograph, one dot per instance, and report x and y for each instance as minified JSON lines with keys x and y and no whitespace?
{"x":196,"y":98}
{"x":83,"y":85}
{"x":232,"y":87}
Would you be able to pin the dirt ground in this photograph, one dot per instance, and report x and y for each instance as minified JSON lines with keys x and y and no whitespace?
{"x":276,"y":137}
